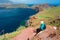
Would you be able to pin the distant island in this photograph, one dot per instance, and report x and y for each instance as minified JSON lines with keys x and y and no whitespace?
{"x":26,"y":5}
{"x":13,"y":6}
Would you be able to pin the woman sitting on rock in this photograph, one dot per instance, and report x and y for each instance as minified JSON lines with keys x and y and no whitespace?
{"x":42,"y":26}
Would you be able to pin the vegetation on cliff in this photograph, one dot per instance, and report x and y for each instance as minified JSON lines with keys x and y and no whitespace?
{"x":50,"y":15}
{"x":8,"y":36}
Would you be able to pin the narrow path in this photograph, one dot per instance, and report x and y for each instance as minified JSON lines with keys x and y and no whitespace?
{"x":27,"y":33}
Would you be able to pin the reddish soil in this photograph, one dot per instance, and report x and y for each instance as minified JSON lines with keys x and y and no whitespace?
{"x":48,"y":34}
{"x":28,"y":34}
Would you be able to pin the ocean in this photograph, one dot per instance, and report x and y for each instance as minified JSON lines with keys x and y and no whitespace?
{"x":12,"y":18}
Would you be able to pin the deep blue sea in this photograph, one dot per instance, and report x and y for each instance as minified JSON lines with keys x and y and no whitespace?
{"x":12,"y":18}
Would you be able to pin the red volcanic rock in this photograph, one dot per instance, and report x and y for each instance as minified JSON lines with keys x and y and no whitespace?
{"x":28,"y":34}
{"x":48,"y":34}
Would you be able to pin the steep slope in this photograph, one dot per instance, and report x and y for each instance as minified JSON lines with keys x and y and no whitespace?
{"x":50,"y":15}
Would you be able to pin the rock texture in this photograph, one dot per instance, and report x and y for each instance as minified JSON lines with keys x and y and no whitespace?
{"x":29,"y":34}
{"x":48,"y":34}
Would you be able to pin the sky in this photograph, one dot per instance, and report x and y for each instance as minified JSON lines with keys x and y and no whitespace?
{"x":31,"y":1}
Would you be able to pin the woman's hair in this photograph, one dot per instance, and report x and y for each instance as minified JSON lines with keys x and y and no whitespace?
{"x":42,"y":21}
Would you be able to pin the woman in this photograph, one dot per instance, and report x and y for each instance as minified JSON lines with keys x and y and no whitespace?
{"x":42,"y":26}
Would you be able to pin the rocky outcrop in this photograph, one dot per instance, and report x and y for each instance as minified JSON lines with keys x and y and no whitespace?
{"x":40,"y":7}
{"x":48,"y":34}
{"x":30,"y":34}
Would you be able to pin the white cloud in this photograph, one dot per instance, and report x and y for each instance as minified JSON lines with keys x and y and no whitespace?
{"x":24,"y":1}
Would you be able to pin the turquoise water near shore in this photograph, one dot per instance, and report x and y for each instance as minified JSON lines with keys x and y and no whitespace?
{"x":11,"y":19}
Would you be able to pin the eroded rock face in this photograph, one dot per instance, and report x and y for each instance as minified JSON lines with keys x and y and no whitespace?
{"x":34,"y":21}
